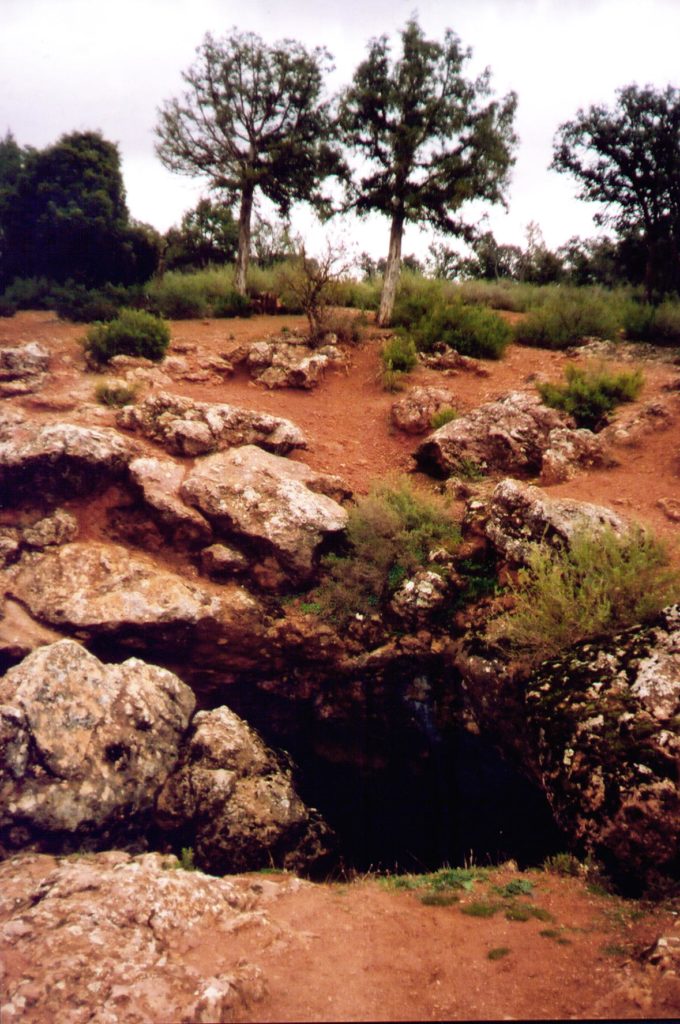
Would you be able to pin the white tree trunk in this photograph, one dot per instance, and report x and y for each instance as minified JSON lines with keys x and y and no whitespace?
{"x":240,"y":280}
{"x":392,"y":269}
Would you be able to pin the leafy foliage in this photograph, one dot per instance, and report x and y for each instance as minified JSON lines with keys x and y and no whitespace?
{"x":252,"y":119}
{"x":444,"y":415}
{"x":658,"y":324}
{"x":628,"y":159}
{"x":399,"y":353}
{"x":133,"y":333}
{"x":390,"y":533}
{"x":590,"y":393}
{"x":569,"y":316}
{"x":115,"y":394}
{"x":429,"y":139}
{"x":207,"y":235}
{"x":472,"y":331}
{"x":601,"y":584}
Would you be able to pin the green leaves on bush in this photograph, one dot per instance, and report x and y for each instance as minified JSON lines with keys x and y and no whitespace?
{"x":569,"y":316}
{"x":399,"y":353}
{"x":390,"y":534}
{"x":115,"y":394}
{"x":603,"y":583}
{"x":590,"y":394}
{"x":659,"y":324}
{"x":471,"y":330}
{"x":133,"y":333}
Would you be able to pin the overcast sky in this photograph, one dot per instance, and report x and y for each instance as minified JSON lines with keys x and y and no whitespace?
{"x":68,"y":65}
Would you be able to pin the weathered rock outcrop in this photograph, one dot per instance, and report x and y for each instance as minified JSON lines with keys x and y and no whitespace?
{"x":569,"y":451}
{"x":159,"y":482}
{"x":413,"y":413}
{"x":84,"y":747}
{"x":97,"y":590}
{"x":108,"y":937}
{"x":60,"y":460}
{"x":603,"y":727}
{"x":278,"y":506}
{"x":508,"y":436}
{"x":281,"y":364}
{"x":519,"y":515}
{"x":190,"y":428}
{"x":236,"y":800}
{"x":22,"y":369}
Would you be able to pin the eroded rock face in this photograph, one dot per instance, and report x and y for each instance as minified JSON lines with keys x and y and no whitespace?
{"x":190,"y":428}
{"x":280,"y":364}
{"x":106,"y":938}
{"x":603,"y":722}
{"x":61,"y":460}
{"x":159,"y":482}
{"x":569,"y":451}
{"x":236,"y":799}
{"x":22,"y":369}
{"x":84,"y":747}
{"x":413,"y":413}
{"x":520,"y":515}
{"x":98,"y":590}
{"x":508,"y":436}
{"x":271,"y":502}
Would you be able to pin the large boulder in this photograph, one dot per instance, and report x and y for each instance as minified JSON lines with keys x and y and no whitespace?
{"x":518,"y":516}
{"x":603,"y":730}
{"x":278,"y":506}
{"x":22,"y":368}
{"x":507,"y":436}
{"x":50,"y":461}
{"x":187,"y":427}
{"x":112,"y":938}
{"x":278,"y":363}
{"x":235,"y":799}
{"x":158,"y":482}
{"x":102,"y":591}
{"x":84,"y":747}
{"x":569,"y":451}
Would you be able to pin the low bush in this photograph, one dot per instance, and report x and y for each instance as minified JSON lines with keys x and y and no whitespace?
{"x":389,"y":534}
{"x":568,"y":316}
{"x":590,"y":394}
{"x":134,"y":333}
{"x":115,"y":394}
{"x":659,"y":324}
{"x":399,"y":353}
{"x":232,"y":304}
{"x":85,"y":305}
{"x":601,"y":584}
{"x":29,"y":293}
{"x":443,"y":416}
{"x":180,"y":296}
{"x":7,"y":307}
{"x":346,"y":326}
{"x":471,"y":330}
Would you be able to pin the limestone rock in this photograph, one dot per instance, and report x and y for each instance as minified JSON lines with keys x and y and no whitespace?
{"x":84,"y":746}
{"x":269,"y":501}
{"x":219,"y":560}
{"x":236,"y":799}
{"x":418,"y":597}
{"x":519,"y":515}
{"x":61,"y":460}
{"x":603,"y":722}
{"x":22,"y":369}
{"x":568,"y":451}
{"x":59,"y":527}
{"x":450,"y":361}
{"x":93,"y":589}
{"x":108,"y":938}
{"x":280,"y":364}
{"x":413,"y":413}
{"x":187,"y":427}
{"x":159,"y":482}
{"x":507,"y":436}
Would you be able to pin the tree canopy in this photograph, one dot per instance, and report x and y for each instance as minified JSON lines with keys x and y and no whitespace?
{"x":63,"y":214}
{"x":432,"y":139}
{"x":252,"y":118}
{"x":207,"y":234}
{"x":628,"y":159}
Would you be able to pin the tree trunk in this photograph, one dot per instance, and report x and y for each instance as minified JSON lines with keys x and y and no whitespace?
{"x":245,"y":212}
{"x":389,"y":290}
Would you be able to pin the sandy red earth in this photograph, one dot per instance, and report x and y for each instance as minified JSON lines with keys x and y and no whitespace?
{"x":357,"y":950}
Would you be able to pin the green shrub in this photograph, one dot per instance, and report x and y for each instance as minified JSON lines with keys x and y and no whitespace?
{"x":590,"y":394}
{"x":443,"y":416}
{"x":601,"y":584}
{"x":399,"y":353}
{"x":359,"y":294}
{"x":471,"y":330}
{"x":568,"y":316}
{"x":564,"y":864}
{"x":347,"y":327}
{"x":29,"y":293}
{"x":659,"y":324}
{"x":231,"y":304}
{"x":86,"y":305}
{"x":133,"y":333}
{"x":7,"y":307}
{"x":393,"y":380}
{"x":115,"y":394}
{"x":390,"y":533}
{"x":498,"y":952}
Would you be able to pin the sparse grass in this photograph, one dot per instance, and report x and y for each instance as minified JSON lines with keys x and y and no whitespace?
{"x":468,"y":469}
{"x":555,"y":934}
{"x":591,"y":393}
{"x":481,"y":908}
{"x":114,"y":394}
{"x":564,"y":864}
{"x":601,"y":584}
{"x":443,"y":416}
{"x":390,"y":533}
{"x":498,"y":952}
{"x":445,"y":880}
{"x":439,"y":899}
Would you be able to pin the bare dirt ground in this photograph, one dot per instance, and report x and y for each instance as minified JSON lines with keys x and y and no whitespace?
{"x":359,"y":951}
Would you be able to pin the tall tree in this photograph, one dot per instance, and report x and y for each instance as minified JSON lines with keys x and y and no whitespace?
{"x":207,"y":234}
{"x":432,"y":139}
{"x":628,"y":159}
{"x":252,"y":118}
